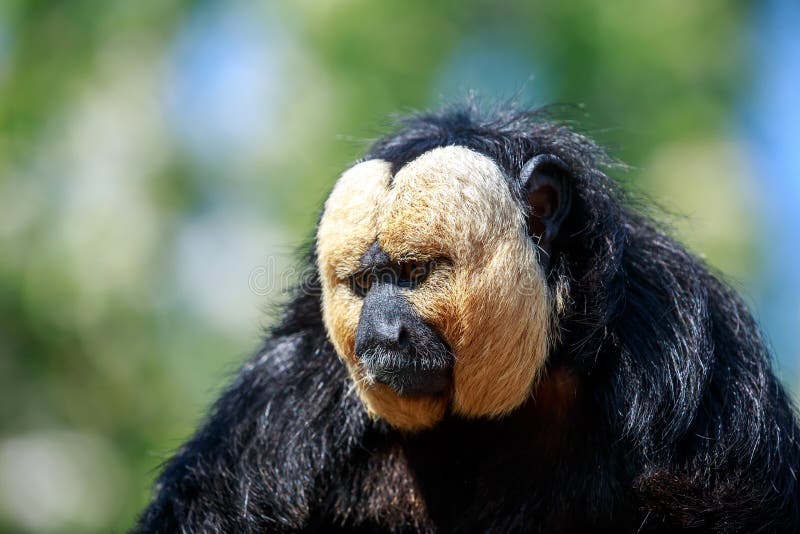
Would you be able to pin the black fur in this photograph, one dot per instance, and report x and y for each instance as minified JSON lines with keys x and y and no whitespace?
{"x":677,"y":421}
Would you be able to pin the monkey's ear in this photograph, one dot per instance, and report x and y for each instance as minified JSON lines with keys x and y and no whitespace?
{"x":545,"y":182}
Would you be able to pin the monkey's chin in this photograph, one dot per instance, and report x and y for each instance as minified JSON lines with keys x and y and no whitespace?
{"x":404,"y":412}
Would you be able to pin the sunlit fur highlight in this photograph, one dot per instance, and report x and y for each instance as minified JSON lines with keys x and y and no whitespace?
{"x":487,"y":296}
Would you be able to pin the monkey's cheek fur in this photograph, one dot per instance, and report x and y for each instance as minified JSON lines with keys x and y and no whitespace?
{"x":499,"y":356}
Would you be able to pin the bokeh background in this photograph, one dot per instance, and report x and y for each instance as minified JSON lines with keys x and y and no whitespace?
{"x":161,"y":161}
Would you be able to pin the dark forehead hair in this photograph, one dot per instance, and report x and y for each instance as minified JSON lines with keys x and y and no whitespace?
{"x":509,"y":135}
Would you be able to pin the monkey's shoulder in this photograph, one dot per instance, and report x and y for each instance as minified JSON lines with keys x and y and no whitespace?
{"x":267,"y":446}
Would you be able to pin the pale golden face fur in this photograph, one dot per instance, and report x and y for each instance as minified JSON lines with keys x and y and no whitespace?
{"x":489,"y":300}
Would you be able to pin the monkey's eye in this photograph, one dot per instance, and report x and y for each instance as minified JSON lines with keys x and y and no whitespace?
{"x":361,"y":281}
{"x":407,"y":274}
{"x":412,"y":273}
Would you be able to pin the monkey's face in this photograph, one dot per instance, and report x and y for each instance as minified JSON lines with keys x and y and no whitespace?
{"x":433,"y":291}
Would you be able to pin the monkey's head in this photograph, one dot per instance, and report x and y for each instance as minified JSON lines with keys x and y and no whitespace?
{"x":432,"y":254}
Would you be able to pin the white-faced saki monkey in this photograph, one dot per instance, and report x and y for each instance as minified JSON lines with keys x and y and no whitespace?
{"x":493,"y":340}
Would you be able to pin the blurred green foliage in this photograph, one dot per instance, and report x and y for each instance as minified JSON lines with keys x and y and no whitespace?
{"x":116,"y":331}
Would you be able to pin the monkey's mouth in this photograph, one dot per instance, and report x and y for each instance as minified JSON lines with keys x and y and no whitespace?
{"x":409,"y":373}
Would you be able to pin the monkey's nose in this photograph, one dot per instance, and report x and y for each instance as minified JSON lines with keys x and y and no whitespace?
{"x":392,"y":334}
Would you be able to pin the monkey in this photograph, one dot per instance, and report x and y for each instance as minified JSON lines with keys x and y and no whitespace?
{"x":493,"y":339}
